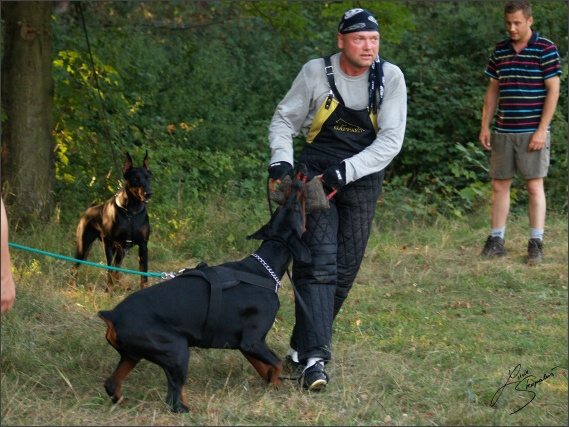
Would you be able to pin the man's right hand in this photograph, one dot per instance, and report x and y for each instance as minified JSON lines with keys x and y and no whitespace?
{"x":278,"y":171}
{"x":484,"y":139}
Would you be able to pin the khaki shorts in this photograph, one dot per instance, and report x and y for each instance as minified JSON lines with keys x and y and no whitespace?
{"x":510,"y":154}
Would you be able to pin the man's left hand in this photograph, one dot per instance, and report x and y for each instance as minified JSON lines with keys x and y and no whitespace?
{"x":335,"y":176}
{"x":537,"y":141}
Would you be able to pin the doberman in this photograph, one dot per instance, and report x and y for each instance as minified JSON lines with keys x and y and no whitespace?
{"x":229,"y":306}
{"x":120,"y":223}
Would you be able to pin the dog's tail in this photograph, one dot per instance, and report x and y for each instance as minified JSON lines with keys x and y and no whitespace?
{"x":111,"y":333}
{"x":105,"y":314}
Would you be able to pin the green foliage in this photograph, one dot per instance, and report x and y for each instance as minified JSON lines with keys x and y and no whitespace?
{"x":311,"y":20}
{"x":201,"y":131}
{"x":196,"y":84}
{"x":556,"y":188}
{"x":444,"y":104}
{"x":444,"y":67}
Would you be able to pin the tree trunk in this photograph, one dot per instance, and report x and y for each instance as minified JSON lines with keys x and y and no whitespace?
{"x":28,"y":161}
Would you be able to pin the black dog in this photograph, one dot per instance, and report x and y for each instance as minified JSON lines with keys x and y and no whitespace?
{"x":120,"y":223}
{"x":232,"y":305}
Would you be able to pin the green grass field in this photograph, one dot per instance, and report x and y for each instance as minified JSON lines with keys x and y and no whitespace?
{"x":430,"y":335}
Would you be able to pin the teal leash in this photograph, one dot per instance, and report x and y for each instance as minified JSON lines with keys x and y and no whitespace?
{"x":93,"y":264}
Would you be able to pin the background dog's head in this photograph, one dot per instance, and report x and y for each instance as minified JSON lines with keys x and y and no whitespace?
{"x":138,"y":179}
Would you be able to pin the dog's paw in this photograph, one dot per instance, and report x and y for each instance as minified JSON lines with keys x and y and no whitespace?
{"x":121,"y":401}
{"x":111,"y":389}
{"x":276,"y":385}
{"x":180,"y":408}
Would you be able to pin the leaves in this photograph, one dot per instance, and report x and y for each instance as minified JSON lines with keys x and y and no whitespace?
{"x":197,"y":83}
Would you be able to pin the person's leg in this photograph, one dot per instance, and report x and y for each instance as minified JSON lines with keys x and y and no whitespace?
{"x":533,"y":167}
{"x":315,"y":283}
{"x":500,"y":202}
{"x":536,"y":212}
{"x":502,"y":171}
{"x":494,"y":246}
{"x":537,"y":203}
{"x":356,"y":209}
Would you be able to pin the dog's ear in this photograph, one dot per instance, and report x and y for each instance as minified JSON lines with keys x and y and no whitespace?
{"x":127,"y":164}
{"x":294,"y":243}
{"x":261,"y":234}
{"x":145,"y":162}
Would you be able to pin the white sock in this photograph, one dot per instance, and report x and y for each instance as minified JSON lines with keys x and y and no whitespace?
{"x":293,"y":354}
{"x":498,"y":232}
{"x":312,"y":361}
{"x":536,"y":234}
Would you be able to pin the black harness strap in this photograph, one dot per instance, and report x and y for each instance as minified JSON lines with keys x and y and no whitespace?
{"x":129,"y":216}
{"x":215,"y":306}
{"x":376,"y":83}
{"x":221,"y":278}
{"x":128,"y":213}
{"x":331,"y":83}
{"x":229,"y":277}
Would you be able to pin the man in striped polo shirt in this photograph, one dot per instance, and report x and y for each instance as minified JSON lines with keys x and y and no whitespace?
{"x":524,"y":87}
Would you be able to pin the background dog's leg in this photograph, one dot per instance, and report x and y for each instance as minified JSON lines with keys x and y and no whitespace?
{"x":118,"y":256}
{"x":74,"y":273}
{"x":143,"y":264}
{"x":113,"y":276}
{"x":114,"y":255}
{"x":86,"y":235}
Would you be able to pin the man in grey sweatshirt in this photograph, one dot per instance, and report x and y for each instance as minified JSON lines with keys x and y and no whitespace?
{"x":351,"y":107}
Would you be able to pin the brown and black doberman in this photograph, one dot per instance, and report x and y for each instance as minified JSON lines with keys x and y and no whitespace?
{"x":120,"y":223}
{"x":229,"y":306}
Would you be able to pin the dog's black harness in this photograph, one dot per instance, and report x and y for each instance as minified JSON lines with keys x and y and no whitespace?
{"x":221,"y":278}
{"x":129,"y":216}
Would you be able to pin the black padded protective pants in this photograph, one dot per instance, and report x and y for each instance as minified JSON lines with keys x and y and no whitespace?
{"x":337,"y":238}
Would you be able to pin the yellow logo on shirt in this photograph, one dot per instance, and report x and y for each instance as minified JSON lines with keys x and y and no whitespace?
{"x":344,"y":126}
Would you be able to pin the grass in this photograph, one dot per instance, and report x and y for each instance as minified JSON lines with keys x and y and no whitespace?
{"x":428,"y":335}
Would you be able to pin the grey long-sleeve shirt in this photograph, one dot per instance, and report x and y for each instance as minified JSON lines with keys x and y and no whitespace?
{"x":296,"y":111}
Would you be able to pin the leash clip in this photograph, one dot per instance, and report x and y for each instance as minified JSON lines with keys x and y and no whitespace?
{"x":166,"y":276}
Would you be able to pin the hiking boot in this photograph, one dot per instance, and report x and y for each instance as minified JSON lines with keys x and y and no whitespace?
{"x":535,"y":251}
{"x":494,"y":247}
{"x":315,"y":377}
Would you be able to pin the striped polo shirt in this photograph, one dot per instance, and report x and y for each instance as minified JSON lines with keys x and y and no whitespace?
{"x":521,"y":79}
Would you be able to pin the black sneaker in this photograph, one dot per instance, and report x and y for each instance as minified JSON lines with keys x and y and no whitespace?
{"x":494,"y":247}
{"x":315,"y":377}
{"x":535,"y":251}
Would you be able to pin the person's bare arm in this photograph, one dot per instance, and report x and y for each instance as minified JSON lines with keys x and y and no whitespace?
{"x":8,"y":287}
{"x":488,"y":110}
{"x":538,"y":139}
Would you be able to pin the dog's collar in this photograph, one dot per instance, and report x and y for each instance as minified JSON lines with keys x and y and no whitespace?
{"x":117,"y":202}
{"x":269,"y":269}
